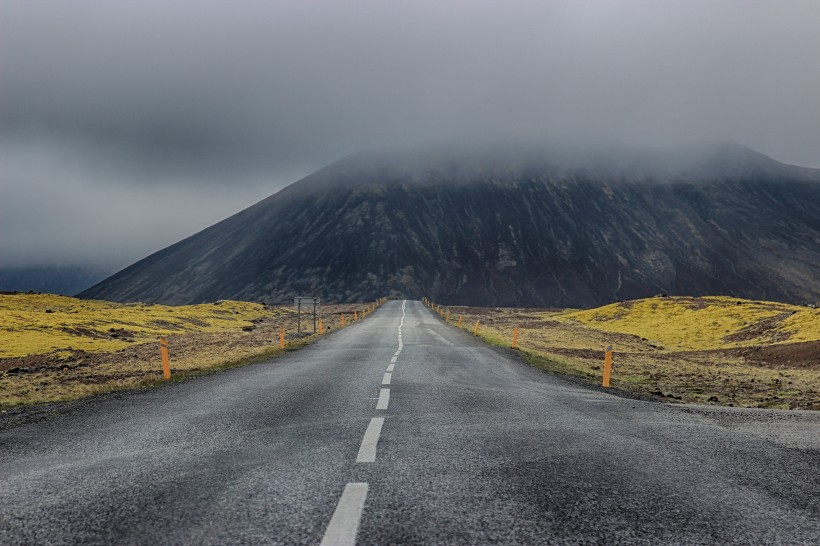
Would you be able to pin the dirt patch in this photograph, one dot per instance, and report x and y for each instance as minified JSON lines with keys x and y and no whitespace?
{"x":533,"y":324}
{"x":761,"y":328}
{"x":805,"y":355}
{"x":194,"y":321}
{"x":589,"y":354}
{"x":167,"y":325}
{"x":121,"y":333}
{"x":696,"y":304}
{"x":84,"y":332}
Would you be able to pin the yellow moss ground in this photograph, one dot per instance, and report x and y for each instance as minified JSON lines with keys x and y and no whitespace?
{"x":695,"y":324}
{"x":706,"y":350}
{"x":40,"y":323}
{"x":55,"y":348}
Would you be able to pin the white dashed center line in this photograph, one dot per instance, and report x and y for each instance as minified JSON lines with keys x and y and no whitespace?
{"x":367,"y":451}
{"x":384,"y":399}
{"x":344,"y":525}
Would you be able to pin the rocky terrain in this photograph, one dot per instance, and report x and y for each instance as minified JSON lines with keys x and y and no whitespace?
{"x":515,"y":227}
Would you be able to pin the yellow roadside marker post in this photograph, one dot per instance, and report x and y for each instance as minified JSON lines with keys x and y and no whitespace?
{"x":515,"y":337}
{"x":607,"y":366}
{"x":459,"y":320}
{"x":166,"y":365}
{"x":281,"y":337}
{"x":355,"y":316}
{"x":475,"y":333}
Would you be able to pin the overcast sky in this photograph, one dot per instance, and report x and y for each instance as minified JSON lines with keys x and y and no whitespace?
{"x":128,"y":125}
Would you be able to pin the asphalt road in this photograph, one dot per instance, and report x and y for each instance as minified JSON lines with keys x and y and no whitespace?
{"x":458,"y":445}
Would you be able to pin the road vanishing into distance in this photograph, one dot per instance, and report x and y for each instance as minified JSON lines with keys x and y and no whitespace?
{"x":403,"y":430}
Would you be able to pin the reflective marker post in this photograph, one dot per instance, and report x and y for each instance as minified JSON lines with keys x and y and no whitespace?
{"x":166,"y":365}
{"x":607,"y":366}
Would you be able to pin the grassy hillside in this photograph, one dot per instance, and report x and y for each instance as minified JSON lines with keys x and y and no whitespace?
{"x":708,"y":350}
{"x":695,"y":324}
{"x":41,"y":323}
{"x":56,"y":348}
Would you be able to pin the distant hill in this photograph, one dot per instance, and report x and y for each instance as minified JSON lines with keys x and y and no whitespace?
{"x":518,"y":227}
{"x":65,"y":280}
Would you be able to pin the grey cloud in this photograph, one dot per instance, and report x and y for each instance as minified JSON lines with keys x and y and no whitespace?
{"x":250,"y":95}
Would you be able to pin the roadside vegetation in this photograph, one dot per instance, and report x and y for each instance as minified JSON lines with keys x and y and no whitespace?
{"x":56,"y":348}
{"x":710,"y":350}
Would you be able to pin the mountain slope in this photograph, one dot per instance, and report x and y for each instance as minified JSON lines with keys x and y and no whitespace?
{"x":513,"y":227}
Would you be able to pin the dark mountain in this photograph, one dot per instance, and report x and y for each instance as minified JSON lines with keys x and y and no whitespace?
{"x":520,"y":226}
{"x":66,"y":280}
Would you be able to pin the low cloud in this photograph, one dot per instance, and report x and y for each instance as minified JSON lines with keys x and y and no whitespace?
{"x":106,"y":106}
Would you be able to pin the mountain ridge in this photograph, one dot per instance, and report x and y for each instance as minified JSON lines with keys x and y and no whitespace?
{"x":510,"y":227}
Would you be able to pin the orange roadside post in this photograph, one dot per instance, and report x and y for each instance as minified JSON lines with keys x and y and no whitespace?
{"x":476,"y":329}
{"x":515,"y":337}
{"x":343,"y":319}
{"x":448,"y":316}
{"x":607,"y":366}
{"x":281,"y":337}
{"x":459,"y":320}
{"x":321,"y":327}
{"x":166,"y":365}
